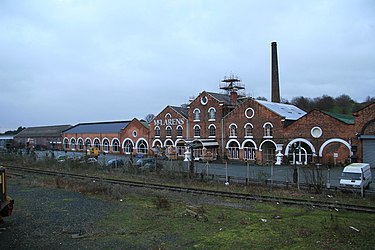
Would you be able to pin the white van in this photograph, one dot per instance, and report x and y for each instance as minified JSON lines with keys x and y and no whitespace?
{"x":356,"y":175}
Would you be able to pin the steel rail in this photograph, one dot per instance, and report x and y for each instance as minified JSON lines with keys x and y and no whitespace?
{"x":289,"y":201}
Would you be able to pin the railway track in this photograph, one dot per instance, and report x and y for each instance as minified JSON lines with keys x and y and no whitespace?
{"x":289,"y":201}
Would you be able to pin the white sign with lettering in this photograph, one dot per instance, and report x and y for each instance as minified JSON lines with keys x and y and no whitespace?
{"x":169,"y":122}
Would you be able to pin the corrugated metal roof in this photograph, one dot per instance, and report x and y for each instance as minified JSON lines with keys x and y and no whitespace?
{"x":45,"y":131}
{"x":98,"y":127}
{"x":290,"y":112}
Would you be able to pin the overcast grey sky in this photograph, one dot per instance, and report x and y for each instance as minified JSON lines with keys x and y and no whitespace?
{"x":71,"y":61}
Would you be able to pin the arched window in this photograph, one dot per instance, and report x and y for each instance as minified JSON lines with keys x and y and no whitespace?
{"x":212,"y":130}
{"x":168,"y":131}
{"x":267,"y":128}
{"x":248,"y":130}
{"x":142,"y":147}
{"x":233,"y":130}
{"x":105,"y":145}
{"x":88,"y":143}
{"x":157,"y":131}
{"x":97,"y":143}
{"x":196,"y":113}
{"x":80,"y":144}
{"x":116,"y":145}
{"x":211,"y":114}
{"x":66,"y":143}
{"x":128,"y":146}
{"x":73,"y":143}
{"x":179,"y":130}
{"x":197,"y":131}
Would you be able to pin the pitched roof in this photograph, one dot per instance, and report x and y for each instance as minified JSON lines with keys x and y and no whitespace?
{"x":348,"y":119}
{"x":98,"y":127}
{"x":221,"y":97}
{"x":288,"y":111}
{"x":45,"y":131}
{"x":183,"y":111}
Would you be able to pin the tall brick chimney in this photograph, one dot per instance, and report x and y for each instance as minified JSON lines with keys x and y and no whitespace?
{"x":275,"y":89}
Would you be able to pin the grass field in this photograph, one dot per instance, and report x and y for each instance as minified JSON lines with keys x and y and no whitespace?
{"x":260,"y":226}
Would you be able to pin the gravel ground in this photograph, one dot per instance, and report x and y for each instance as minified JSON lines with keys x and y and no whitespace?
{"x":45,"y":218}
{"x":49,"y":218}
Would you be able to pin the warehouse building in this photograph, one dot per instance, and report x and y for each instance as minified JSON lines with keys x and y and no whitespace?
{"x":115,"y":137}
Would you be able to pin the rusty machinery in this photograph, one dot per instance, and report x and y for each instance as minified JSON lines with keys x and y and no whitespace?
{"x":6,"y":202}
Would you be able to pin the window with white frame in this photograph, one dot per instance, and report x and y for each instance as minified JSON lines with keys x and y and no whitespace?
{"x":142,"y":147}
{"x":197,"y":131}
{"x":128,"y":146}
{"x":179,"y":130}
{"x":88,"y":143}
{"x":157,"y":131}
{"x":196,"y":114}
{"x":168,"y":131}
{"x":233,"y":130}
{"x":97,"y":143}
{"x":66,"y":143}
{"x":80,"y":144}
{"x":267,"y":129}
{"x":116,"y":145}
{"x":212,"y":114}
{"x":248,"y":130}
{"x":73,"y":143}
{"x":212,"y":130}
{"x":105,"y":145}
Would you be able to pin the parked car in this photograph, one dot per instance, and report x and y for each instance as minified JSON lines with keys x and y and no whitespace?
{"x":143,"y":161}
{"x":61,"y":158}
{"x":115,"y":163}
{"x":91,"y":160}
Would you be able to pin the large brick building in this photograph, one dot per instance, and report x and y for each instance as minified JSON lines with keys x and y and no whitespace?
{"x":234,"y":127}
{"x":116,"y":137}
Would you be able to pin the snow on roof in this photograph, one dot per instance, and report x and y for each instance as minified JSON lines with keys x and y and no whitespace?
{"x":290,"y":112}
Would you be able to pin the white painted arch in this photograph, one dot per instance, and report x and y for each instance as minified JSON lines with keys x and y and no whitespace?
{"x":299,"y":140}
{"x":261,"y":145}
{"x":335,"y":140}
{"x":233,"y":140}
{"x":249,"y":140}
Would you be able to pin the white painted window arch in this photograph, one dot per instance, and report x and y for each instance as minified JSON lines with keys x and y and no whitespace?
{"x":180,"y":130}
{"x":88,"y":142}
{"x":168,"y":142}
{"x":267,"y":130}
{"x":233,"y":130}
{"x":248,"y":129}
{"x":196,"y":114}
{"x":73,"y":143}
{"x":347,"y":144}
{"x":157,"y":131}
{"x":168,"y":131}
{"x":157,"y":142}
{"x":105,"y":143}
{"x":115,"y":145}
{"x":141,"y":146}
{"x":211,"y":114}
{"x":128,"y":146}
{"x":197,"y":130}
{"x":168,"y":115}
{"x":66,"y":143}
{"x":80,"y":143}
{"x":212,"y":130}
{"x":96,"y":143}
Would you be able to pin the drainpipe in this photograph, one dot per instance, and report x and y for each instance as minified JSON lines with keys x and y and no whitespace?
{"x":222,"y":138}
